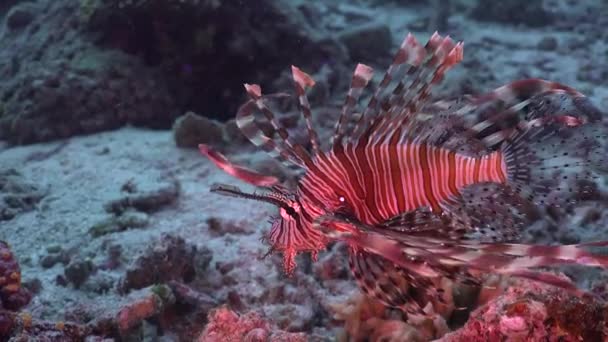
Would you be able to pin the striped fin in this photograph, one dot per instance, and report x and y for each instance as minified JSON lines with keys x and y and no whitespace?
{"x":242,"y":173}
{"x":406,"y":102}
{"x":361,"y":77}
{"x":521,"y":90}
{"x":411,"y":53}
{"x":444,"y":57}
{"x":509,"y":108}
{"x":393,"y":285}
{"x":246,"y":121}
{"x":302,"y":81}
{"x":509,"y":259}
{"x":549,"y":164}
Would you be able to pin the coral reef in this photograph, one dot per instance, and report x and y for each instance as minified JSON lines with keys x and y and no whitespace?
{"x":226,"y":325}
{"x":52,"y":93}
{"x":12,"y":295}
{"x":533,"y":312}
{"x":116,"y":234}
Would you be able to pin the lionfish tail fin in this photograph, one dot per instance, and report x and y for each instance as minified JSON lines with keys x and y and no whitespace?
{"x":284,"y":149}
{"x":242,"y":173}
{"x":554,"y":159}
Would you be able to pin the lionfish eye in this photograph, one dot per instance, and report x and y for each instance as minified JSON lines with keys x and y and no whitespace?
{"x":291,"y":211}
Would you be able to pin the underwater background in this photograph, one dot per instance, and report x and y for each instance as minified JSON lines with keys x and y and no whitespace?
{"x":110,"y":232}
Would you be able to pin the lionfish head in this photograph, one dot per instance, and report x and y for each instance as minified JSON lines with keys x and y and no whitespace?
{"x":290,"y":233}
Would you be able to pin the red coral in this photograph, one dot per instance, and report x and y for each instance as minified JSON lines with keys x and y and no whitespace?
{"x":12,"y":295}
{"x":226,"y":325}
{"x":531,"y":311}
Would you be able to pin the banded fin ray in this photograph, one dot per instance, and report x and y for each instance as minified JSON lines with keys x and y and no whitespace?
{"x":284,"y":151}
{"x":509,"y":108}
{"x":301,"y":81}
{"x":361,"y":77}
{"x":407,"y":102}
{"x":509,"y":259}
{"x":426,"y":68}
{"x":549,"y":162}
{"x":395,"y":286}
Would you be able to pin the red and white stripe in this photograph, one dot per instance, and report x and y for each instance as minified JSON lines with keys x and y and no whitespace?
{"x":395,"y":179}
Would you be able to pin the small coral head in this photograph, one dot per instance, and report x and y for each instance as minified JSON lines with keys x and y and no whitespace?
{"x":291,"y":232}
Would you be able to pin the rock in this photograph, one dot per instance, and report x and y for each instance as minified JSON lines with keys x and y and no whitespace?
{"x":367,"y":42}
{"x":170,"y":258}
{"x":126,"y":220}
{"x":91,"y":92}
{"x":90,"y":66}
{"x":191,"y":129}
{"x":21,"y":15}
{"x":202,"y":259}
{"x":189,"y":296}
{"x":548,"y":44}
{"x":146,"y":199}
{"x":78,"y":271}
{"x":16,"y":195}
{"x":148,"y":304}
{"x":234,"y":136}
{"x":187,"y":46}
{"x":49,"y":260}
{"x":526,"y":12}
{"x":100,"y":282}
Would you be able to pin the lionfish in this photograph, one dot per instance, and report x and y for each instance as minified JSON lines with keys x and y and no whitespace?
{"x":417,"y":196}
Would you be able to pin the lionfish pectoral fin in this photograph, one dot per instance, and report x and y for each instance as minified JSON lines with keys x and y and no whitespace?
{"x":440,"y":255}
{"x":363,"y":237}
{"x":383,"y":280}
{"x":242,"y":173}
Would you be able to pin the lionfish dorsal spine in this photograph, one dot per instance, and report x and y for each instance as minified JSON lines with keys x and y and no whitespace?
{"x":408,"y":101}
{"x":301,"y":81}
{"x":412,"y":53}
{"x":361,"y":77}
{"x":283,"y":150}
